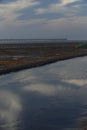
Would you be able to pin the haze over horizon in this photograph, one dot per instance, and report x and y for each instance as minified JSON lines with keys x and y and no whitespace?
{"x":43,"y":19}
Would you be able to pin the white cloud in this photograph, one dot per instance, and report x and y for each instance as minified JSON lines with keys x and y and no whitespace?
{"x":41,"y":10}
{"x":65,"y":2}
{"x":9,"y":11}
{"x":59,"y":7}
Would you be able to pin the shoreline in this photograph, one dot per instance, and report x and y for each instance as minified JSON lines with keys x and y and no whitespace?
{"x":39,"y":64}
{"x":16,"y":57}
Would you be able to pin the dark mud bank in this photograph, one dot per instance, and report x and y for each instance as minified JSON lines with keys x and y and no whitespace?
{"x":38,"y":64}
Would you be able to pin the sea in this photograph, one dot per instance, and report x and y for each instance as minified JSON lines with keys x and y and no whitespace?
{"x":38,"y":40}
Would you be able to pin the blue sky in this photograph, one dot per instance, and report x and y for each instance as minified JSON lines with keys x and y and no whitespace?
{"x":43,"y":19}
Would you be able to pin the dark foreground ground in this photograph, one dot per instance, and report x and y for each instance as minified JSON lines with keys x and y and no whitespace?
{"x":14,"y":57}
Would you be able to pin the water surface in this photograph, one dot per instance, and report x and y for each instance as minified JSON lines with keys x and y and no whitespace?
{"x":53,"y":97}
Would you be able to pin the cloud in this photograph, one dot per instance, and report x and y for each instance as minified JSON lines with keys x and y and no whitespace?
{"x":35,"y":19}
{"x":66,"y":22}
{"x":31,"y":21}
{"x":56,"y":7}
{"x":65,"y":2}
{"x":65,"y":9}
{"x":72,"y":27}
{"x":10,"y":11}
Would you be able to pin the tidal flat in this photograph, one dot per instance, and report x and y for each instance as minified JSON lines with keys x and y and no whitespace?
{"x":14,"y":57}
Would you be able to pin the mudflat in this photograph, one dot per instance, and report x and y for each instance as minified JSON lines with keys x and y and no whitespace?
{"x":14,"y":57}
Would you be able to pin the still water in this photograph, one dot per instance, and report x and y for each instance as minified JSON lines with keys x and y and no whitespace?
{"x":53,"y":97}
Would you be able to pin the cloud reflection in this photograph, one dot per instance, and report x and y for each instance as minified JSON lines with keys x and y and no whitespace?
{"x":79,"y":82}
{"x":51,"y":95}
{"x":10,"y":108}
{"x":43,"y":89}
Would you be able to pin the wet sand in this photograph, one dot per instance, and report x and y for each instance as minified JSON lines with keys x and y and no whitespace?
{"x":15,"y":57}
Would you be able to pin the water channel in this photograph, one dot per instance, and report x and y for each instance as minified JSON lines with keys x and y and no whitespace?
{"x":52,"y":97}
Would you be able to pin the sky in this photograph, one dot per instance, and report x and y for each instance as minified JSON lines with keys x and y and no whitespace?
{"x":43,"y":19}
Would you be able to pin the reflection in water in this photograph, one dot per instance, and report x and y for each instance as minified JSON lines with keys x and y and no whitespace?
{"x":79,"y":82}
{"x":53,"y":97}
{"x":10,"y":108}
